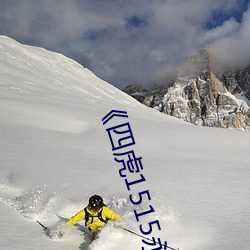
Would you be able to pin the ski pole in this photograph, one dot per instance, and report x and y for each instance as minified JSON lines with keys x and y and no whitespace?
{"x":125,"y":229}
{"x":45,"y":228}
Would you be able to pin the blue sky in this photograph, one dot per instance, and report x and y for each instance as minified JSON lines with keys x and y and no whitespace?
{"x":218,"y":17}
{"x":136,"y":41}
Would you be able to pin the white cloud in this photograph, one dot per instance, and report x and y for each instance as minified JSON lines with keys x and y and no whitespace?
{"x":97,"y":32}
{"x":233,"y":49}
{"x":227,"y":29}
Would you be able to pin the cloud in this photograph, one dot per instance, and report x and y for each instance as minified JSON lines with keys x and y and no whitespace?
{"x":233,"y":49}
{"x":125,"y":42}
{"x":228,"y":28}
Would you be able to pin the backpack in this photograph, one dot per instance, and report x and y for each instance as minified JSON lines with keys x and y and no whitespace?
{"x":99,"y":216}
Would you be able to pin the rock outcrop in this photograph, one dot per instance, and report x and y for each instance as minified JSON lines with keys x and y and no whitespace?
{"x":200,"y":96}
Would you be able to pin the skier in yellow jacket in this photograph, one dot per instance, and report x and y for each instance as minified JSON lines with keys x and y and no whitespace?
{"x":96,"y":215}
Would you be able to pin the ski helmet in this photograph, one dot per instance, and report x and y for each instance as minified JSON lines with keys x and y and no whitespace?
{"x":95,"y":202}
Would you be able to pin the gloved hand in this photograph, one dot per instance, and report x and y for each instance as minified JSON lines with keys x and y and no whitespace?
{"x":59,"y":230}
{"x":63,"y":229}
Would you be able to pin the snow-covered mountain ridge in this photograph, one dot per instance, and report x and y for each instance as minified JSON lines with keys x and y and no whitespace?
{"x":55,"y":152}
{"x":29,"y":63}
{"x":201,"y":95}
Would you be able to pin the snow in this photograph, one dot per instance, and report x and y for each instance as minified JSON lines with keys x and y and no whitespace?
{"x":55,"y":153}
{"x":242,"y":99}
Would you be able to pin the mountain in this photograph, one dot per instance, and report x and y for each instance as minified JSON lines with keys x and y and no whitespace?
{"x":202,"y":96}
{"x":55,"y":153}
{"x":237,"y":81}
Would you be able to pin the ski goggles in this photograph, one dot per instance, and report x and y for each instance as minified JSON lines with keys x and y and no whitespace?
{"x":94,"y":208}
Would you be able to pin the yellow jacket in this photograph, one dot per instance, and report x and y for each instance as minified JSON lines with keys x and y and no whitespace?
{"x":94,"y":223}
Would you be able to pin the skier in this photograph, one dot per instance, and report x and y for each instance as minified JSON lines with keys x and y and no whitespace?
{"x":95,"y":214}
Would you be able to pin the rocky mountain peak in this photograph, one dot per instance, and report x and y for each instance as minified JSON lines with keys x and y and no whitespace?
{"x":200,"y":96}
{"x":196,"y":64}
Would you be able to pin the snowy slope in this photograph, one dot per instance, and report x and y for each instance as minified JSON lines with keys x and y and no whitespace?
{"x":55,"y":153}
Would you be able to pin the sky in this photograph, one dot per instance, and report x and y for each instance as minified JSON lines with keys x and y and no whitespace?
{"x":136,"y":41}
